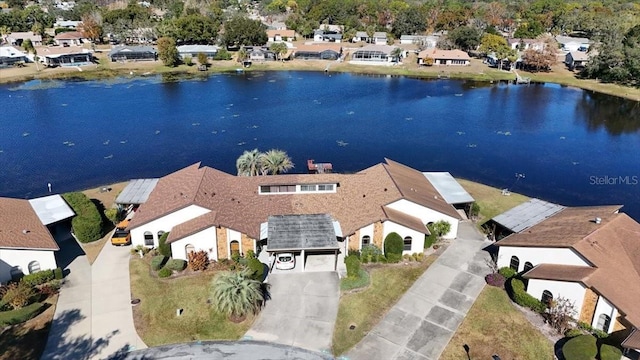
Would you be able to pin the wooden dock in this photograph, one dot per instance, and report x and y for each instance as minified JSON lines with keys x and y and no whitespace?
{"x":520,"y":79}
{"x":319,"y":168}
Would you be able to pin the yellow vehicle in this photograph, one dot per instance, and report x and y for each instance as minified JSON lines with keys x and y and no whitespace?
{"x":121,"y":236}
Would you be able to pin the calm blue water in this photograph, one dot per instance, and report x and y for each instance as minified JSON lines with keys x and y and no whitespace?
{"x":82,"y":134}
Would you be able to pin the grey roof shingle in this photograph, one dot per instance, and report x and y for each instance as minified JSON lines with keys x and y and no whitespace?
{"x":298,"y":232}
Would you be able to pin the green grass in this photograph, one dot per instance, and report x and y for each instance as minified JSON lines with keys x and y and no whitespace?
{"x":155,"y":317}
{"x":366,"y":308}
{"x":494,"y":326}
{"x":21,"y":315}
{"x":361,"y":281}
{"x":490,"y":199}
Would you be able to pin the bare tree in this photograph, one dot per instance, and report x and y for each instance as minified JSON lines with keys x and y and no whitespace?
{"x":560,"y":314}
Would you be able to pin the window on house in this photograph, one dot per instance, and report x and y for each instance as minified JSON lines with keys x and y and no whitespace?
{"x":148,"y":238}
{"x":307,"y":188}
{"x":547,"y":297}
{"x":515,"y":263}
{"x":527,"y":266}
{"x":189,"y":249}
{"x":604,"y":321}
{"x":160,"y":233}
{"x":34,"y":266}
{"x":366,"y":240}
{"x":325,"y":187}
{"x":407,"y":243}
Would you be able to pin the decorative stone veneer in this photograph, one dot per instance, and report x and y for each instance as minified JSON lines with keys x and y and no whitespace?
{"x":221,"y":235}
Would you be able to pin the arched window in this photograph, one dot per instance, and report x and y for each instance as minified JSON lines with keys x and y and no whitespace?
{"x":16,"y":273}
{"x":235,"y":247}
{"x":527,"y":266}
{"x":34,"y":266}
{"x":515,"y":263}
{"x":366,"y":240}
{"x":160,"y":233}
{"x":407,"y":243}
{"x":604,"y":321}
{"x":148,"y":238}
{"x":547,"y":297}
{"x":189,"y":249}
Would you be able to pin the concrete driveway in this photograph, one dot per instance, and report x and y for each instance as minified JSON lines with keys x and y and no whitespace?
{"x":302,"y":311}
{"x":421,"y":324}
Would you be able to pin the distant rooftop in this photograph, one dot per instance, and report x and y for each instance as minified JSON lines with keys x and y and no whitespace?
{"x":137,"y":191}
{"x":298,"y":232}
{"x":449,"y":188}
{"x":527,"y":214}
{"x":51,"y":209}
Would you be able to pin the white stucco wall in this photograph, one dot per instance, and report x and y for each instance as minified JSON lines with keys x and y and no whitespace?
{"x":367,"y":230}
{"x":426,"y":215}
{"x":202,"y":240}
{"x":11,"y":257}
{"x":537,"y":256}
{"x":165,"y":223}
{"x":605,"y":307}
{"x":569,"y":290}
{"x":233,"y":235}
{"x":417,"y":238}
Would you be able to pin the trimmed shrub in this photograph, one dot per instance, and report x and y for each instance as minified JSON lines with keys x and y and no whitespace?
{"x":360,"y":281}
{"x":38,"y":278}
{"x":496,"y":280}
{"x":222,"y":54}
{"x":18,"y":295}
{"x":573,"y":333}
{"x":57,"y":273}
{"x":393,"y":244}
{"x":595,"y":332}
{"x":164,"y":272}
{"x":87,"y":224}
{"x":394,"y":258}
{"x":250,"y":254}
{"x":507,"y":272}
{"x":418,"y":257}
{"x":199,"y":260}
{"x":354,"y":252}
{"x":157,"y":262}
{"x":353,"y":266}
{"x":522,"y":298}
{"x":176,"y":264}
{"x":407,"y":257}
{"x":582,"y":347}
{"x":430,"y":239}
{"x":113,"y":214}
{"x":163,"y":247}
{"x":21,"y":315}
{"x":256,"y":268}
{"x":608,"y":352}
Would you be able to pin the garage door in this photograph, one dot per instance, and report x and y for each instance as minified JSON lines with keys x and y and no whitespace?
{"x":319,"y":261}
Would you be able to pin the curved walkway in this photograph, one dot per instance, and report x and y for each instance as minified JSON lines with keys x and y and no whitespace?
{"x":421,"y":324}
{"x":93,"y":317}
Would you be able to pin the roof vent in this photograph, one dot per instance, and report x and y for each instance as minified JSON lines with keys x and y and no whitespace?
{"x":25,"y":231}
{"x":597,"y":220}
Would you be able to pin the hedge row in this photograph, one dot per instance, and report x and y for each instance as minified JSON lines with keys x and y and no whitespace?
{"x":522,"y":298}
{"x":87,"y":224}
{"x":353,"y":266}
{"x":157,"y":262}
{"x":21,"y":315}
{"x":38,"y":278}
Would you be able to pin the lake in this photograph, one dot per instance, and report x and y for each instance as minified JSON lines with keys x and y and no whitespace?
{"x":557,"y":143}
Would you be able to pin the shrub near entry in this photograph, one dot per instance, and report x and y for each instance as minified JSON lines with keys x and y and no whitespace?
{"x":353,"y":266}
{"x":393,"y":246}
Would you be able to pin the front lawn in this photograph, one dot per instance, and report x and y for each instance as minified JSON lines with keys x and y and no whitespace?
{"x":155,"y":317}
{"x":366,"y":308}
{"x":490,"y":199}
{"x":494,"y":326}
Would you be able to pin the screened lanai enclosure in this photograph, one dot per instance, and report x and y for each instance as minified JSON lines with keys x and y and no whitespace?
{"x":69,"y":60}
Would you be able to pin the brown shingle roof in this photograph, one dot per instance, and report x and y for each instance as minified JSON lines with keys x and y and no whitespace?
{"x":560,"y":272}
{"x":69,"y":35}
{"x":20,"y":227}
{"x":192,"y":226}
{"x":357,"y":202}
{"x":563,"y":229}
{"x":444,"y":54}
{"x":283,"y":33}
{"x":633,"y":340}
{"x":407,"y":220}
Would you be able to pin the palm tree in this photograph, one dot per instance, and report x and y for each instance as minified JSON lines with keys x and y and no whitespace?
{"x":276,"y":162}
{"x":29,"y":48}
{"x":250,"y":163}
{"x":236,"y":294}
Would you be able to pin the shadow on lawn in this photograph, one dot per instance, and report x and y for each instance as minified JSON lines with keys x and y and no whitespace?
{"x":61,"y":345}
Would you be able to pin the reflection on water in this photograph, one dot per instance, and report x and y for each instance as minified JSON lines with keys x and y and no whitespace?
{"x":618,"y":116}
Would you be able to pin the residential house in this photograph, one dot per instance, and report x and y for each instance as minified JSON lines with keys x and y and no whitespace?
{"x":17,"y":38}
{"x":568,"y":43}
{"x":193,"y":50}
{"x":576,"y":60}
{"x":207,"y":209}
{"x":425,"y":41}
{"x":322,"y":51}
{"x":525,"y":44}
{"x":54,"y":56}
{"x":589,"y":255}
{"x":67,"y":24}
{"x":26,"y":241}
{"x":378,"y":38}
{"x":375,"y":55}
{"x":275,"y":25}
{"x":444,"y":57}
{"x":281,"y":35}
{"x":332,"y":28}
{"x":260,"y":53}
{"x":70,"y":38}
{"x":133,"y":53}
{"x":9,"y":55}
{"x":327,"y":36}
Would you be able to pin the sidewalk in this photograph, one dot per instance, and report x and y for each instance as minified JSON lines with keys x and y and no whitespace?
{"x":421,"y":324}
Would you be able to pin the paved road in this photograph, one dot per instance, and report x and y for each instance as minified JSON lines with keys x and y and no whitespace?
{"x":302,"y":311}
{"x":231,"y":350}
{"x":93,"y":317}
{"x":421,"y":324}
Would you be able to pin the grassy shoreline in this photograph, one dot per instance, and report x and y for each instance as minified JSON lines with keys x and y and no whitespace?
{"x":476,"y":72}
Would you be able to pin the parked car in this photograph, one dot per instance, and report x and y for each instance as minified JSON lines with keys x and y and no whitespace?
{"x":285,"y":261}
{"x":121,"y":236}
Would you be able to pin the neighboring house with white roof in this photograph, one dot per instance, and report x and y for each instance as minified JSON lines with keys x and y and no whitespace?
{"x":207,"y":209}
{"x":67,"y":24}
{"x":53,"y":56}
{"x":375,"y":55}
{"x":589,"y":255}
{"x":26,"y":241}
{"x":327,"y":36}
{"x":193,"y":50}
{"x":525,"y":44}
{"x":9,"y":55}
{"x":378,"y":38}
{"x":426,"y":41}
{"x":576,"y":59}
{"x":568,"y":43}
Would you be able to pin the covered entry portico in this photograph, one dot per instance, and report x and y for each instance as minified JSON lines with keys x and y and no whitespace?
{"x":311,"y":238}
